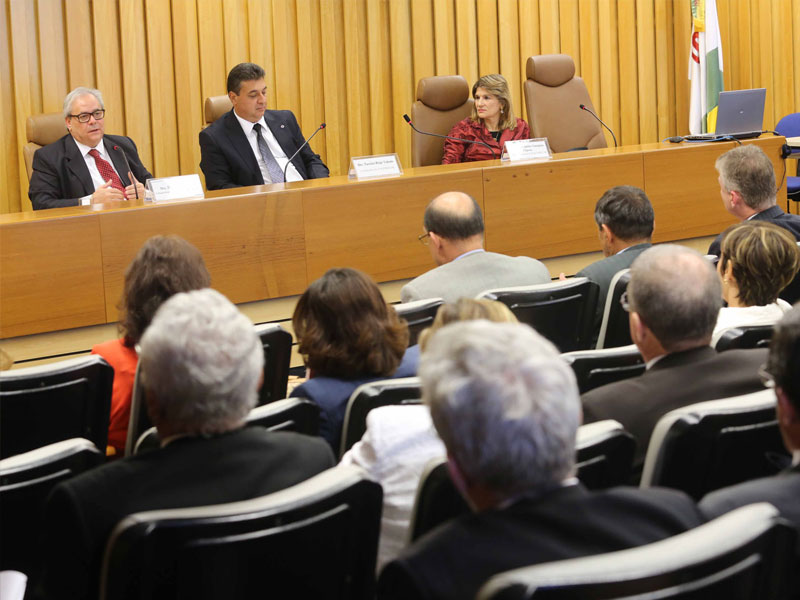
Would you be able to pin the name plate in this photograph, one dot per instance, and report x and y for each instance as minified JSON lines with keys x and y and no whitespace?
{"x":379,"y":165}
{"x":181,"y":187}
{"x":534,"y":149}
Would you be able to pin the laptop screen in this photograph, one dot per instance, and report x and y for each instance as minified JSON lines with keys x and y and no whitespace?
{"x":741,"y":111}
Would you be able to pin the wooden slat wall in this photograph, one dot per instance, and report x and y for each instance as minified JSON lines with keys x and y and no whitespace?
{"x":354,"y":64}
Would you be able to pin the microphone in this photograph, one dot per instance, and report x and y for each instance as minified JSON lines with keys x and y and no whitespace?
{"x":447,"y":137}
{"x":588,"y":110}
{"x":321,"y":126}
{"x":127,"y":164}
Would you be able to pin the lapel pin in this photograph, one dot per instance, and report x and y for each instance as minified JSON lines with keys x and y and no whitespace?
{"x":282,"y":126}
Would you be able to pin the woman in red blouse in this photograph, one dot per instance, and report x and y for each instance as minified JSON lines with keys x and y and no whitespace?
{"x":492,"y":122}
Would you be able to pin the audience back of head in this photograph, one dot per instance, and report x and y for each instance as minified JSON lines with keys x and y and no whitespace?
{"x":627,"y":212}
{"x":749,"y":172}
{"x":467,"y":309}
{"x":454,"y":216}
{"x":783,"y":363}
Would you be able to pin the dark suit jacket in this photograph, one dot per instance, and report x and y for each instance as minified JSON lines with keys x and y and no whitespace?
{"x":455,"y":559}
{"x":60,"y":175}
{"x":676,"y":380}
{"x":82,"y":512}
{"x":227,"y":159}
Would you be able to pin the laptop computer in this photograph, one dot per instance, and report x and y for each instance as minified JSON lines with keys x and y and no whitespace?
{"x":740,"y":114}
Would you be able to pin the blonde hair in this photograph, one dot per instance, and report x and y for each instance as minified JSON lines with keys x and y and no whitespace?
{"x":497,"y":86}
{"x":467,"y":309}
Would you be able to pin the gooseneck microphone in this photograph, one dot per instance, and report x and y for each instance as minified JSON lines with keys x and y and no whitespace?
{"x":588,"y":110}
{"x":127,"y":164}
{"x":447,"y":137}
{"x":321,"y":127}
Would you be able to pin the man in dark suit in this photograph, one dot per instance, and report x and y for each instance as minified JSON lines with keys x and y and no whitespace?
{"x":251,"y":145}
{"x":86,"y":166}
{"x":201,"y":367}
{"x":673,"y":300}
{"x":506,"y":407}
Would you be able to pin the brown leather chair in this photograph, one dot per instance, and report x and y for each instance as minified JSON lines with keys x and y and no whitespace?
{"x":553,"y":95}
{"x":41,"y":130}
{"x":215,"y":107}
{"x":442,"y":101}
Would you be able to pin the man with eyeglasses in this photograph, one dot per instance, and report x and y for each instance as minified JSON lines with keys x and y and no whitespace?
{"x":86,"y":166}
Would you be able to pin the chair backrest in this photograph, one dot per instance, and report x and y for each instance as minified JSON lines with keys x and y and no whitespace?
{"x":384,"y":392}
{"x":789,"y":125}
{"x":55,"y":402}
{"x":747,"y":553}
{"x":614,"y":330}
{"x":41,"y":130}
{"x":317,"y":539}
{"x":553,"y":95}
{"x":604,"y":454}
{"x":442,"y":101}
{"x":216,"y":106}
{"x":437,"y":499}
{"x":562,"y":311}
{"x":277,"y":344}
{"x":25,"y":483}
{"x":750,"y":336}
{"x":139,"y":421}
{"x":709,"y":445}
{"x":595,"y":368}
{"x":419,"y":315}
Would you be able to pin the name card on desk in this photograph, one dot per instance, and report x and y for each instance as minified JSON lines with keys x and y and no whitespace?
{"x":535,"y":149}
{"x":370,"y":167}
{"x":181,"y":187}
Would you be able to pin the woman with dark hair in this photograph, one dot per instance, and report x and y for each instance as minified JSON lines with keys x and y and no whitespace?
{"x":164,"y":266}
{"x":347,"y":335}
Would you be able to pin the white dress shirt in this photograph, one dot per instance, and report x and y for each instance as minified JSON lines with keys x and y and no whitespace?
{"x":97,"y":179}
{"x":280,"y":156}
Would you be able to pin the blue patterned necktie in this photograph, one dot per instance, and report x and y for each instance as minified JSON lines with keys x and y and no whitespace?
{"x":275,"y":172}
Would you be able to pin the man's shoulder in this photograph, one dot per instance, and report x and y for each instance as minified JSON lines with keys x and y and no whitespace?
{"x":218,"y":126}
{"x":55,"y":149}
{"x":611,"y":264}
{"x":780,"y":490}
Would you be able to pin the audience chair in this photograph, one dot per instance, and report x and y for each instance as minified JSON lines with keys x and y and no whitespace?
{"x":437,"y":499}
{"x":41,"y":130}
{"x":745,"y":554}
{"x":614,"y":329}
{"x":216,"y":106}
{"x":25,"y":483}
{"x":595,"y":368}
{"x":139,"y":421}
{"x":54,"y":402}
{"x":562,"y":311}
{"x":442,"y":101}
{"x":317,"y":539}
{"x":291,"y":414}
{"x":752,"y":336}
{"x":553,"y":95}
{"x":789,"y":126}
{"x":710,"y":445}
{"x":385,"y":392}
{"x":419,"y":315}
{"x":277,"y":344}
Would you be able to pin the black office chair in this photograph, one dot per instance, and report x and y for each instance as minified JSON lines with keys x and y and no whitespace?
{"x":562,"y":311}
{"x":317,"y":539}
{"x":385,"y":392}
{"x":614,"y":329}
{"x":437,"y":500}
{"x":752,"y":336}
{"x":419,"y":315}
{"x":55,"y":402}
{"x":277,"y":344}
{"x":25,"y":483}
{"x":604,"y":454}
{"x":745,"y":554}
{"x":710,"y":445}
{"x":595,"y":368}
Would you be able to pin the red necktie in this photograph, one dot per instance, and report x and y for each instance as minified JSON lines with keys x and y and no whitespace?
{"x":106,"y":170}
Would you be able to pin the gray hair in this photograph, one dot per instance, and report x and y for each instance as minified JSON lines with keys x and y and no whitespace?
{"x":747,"y":170}
{"x":504,"y":403}
{"x":202,"y":360}
{"x":77,"y":93}
{"x":677,"y":294}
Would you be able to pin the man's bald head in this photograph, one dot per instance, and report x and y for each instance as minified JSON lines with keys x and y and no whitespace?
{"x":454,"y":216}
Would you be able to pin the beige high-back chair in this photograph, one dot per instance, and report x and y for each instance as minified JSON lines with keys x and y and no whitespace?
{"x":553,"y":95}
{"x":215,"y":107}
{"x":442,"y":101}
{"x":41,"y":130}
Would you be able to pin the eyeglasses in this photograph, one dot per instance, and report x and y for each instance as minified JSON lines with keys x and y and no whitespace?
{"x":425,"y":238}
{"x":84,"y":117}
{"x":623,"y":300}
{"x":767,"y":378}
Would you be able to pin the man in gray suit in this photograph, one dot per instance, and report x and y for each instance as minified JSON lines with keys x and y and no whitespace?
{"x":454,"y":233}
{"x":625,"y":220}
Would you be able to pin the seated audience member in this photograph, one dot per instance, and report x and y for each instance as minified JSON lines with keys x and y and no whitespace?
{"x":202,"y":365}
{"x":86,"y":166}
{"x":400,"y":440}
{"x":783,"y":373}
{"x":454,"y":234}
{"x":251,"y":145}
{"x":672,"y":299}
{"x":625,"y":221}
{"x":507,"y":408}
{"x":347,"y":335}
{"x":758,"y":260}
{"x":164,"y":265}
{"x":492,"y":122}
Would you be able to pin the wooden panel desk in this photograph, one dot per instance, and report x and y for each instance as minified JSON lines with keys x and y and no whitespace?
{"x":63,"y":268}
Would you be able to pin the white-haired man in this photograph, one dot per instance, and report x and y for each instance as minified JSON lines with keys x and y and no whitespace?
{"x":201,"y":367}
{"x":507,"y":409}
